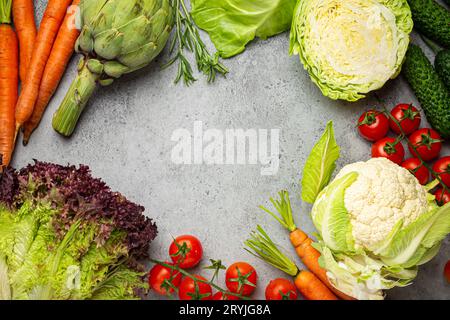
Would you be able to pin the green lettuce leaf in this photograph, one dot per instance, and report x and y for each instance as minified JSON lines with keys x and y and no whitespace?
{"x":232,"y":24}
{"x":320,"y":165}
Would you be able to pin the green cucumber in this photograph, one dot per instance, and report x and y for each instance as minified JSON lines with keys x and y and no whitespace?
{"x":441,"y":62}
{"x":432,"y":20}
{"x":429,"y":89}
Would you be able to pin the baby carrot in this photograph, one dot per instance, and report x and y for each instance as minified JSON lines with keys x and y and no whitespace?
{"x":301,"y":242}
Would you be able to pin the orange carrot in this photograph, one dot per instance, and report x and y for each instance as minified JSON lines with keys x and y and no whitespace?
{"x":53,"y":17}
{"x":54,"y":70}
{"x":310,"y":258}
{"x":23,"y":15}
{"x":301,"y":242}
{"x":312,"y":288}
{"x":9,"y":82}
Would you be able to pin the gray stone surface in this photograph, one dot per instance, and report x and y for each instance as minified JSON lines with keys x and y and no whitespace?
{"x":124,"y":136}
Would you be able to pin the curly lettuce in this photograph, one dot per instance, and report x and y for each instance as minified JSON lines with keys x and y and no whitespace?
{"x":351,"y":48}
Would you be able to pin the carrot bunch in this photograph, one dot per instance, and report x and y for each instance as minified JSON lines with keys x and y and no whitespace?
{"x":43,"y":54}
{"x":301,"y":242}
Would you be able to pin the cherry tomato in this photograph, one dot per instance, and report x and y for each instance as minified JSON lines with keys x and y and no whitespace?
{"x":281,"y":289}
{"x":220,"y":296}
{"x":416,"y":167}
{"x":373,"y":125}
{"x":241,"y":278}
{"x":191,"y":290}
{"x":427,"y":142}
{"x":389,"y":148}
{"x":186,"y":251}
{"x":442,"y":196}
{"x":442,"y":167}
{"x":447,"y":271}
{"x":408,"y":116}
{"x":159,"y":274}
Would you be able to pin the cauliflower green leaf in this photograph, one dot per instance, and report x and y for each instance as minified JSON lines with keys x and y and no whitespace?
{"x":320,"y":165}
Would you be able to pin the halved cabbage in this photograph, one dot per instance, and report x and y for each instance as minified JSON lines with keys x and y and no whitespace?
{"x":351,"y":47}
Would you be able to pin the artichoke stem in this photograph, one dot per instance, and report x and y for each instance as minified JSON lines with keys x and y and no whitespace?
{"x":66,"y":117}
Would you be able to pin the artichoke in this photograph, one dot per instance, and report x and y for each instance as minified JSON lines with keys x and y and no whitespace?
{"x":117,"y":37}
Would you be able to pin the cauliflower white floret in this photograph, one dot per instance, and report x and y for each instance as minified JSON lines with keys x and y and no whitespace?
{"x":383,"y":194}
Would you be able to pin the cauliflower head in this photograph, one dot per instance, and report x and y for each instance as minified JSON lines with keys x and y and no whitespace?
{"x":382,"y":195}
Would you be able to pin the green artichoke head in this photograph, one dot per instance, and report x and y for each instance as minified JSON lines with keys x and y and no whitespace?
{"x":121,"y":36}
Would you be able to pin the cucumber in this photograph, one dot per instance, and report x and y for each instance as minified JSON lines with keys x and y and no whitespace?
{"x":441,"y":62}
{"x":442,"y":66}
{"x":432,"y":20}
{"x":429,"y":89}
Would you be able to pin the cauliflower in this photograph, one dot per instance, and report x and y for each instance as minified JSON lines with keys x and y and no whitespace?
{"x":383,"y":194}
{"x":376,"y":224}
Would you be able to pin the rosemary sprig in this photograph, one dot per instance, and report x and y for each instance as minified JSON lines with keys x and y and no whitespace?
{"x":187,"y":39}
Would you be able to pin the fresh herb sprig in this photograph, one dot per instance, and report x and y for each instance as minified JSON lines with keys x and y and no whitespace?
{"x":187,"y":39}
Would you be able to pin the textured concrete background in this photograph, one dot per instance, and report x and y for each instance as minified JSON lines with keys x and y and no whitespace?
{"x":124,"y":136}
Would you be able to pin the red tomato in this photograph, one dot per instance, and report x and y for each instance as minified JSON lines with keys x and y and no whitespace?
{"x":442,"y":167}
{"x":408,"y":116}
{"x":241,"y":278}
{"x":220,"y":296}
{"x":427,"y":142}
{"x":416,"y":167}
{"x":373,"y":125}
{"x":447,"y":271}
{"x":186,"y":251}
{"x":281,"y":289}
{"x":191,"y":290}
{"x":442,"y":196}
{"x":159,"y":274}
{"x":389,"y":148}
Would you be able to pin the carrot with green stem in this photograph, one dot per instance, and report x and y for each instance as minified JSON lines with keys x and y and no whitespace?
{"x":50,"y":24}
{"x":9,"y":82}
{"x":261,"y":246}
{"x":301,"y":241}
{"x":25,"y":25}
{"x":60,"y":55}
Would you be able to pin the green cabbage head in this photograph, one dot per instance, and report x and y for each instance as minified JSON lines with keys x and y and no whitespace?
{"x":351,"y":47}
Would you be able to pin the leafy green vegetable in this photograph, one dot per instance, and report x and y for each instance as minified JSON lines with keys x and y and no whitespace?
{"x":232,"y":24}
{"x":320,"y":165}
{"x":66,"y":235}
{"x":350,"y":48}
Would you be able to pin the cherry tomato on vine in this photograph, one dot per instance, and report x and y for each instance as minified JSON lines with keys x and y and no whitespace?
{"x":281,"y":289}
{"x":447,"y":271}
{"x":186,"y":251}
{"x":194,"y":290}
{"x":427,"y":142}
{"x":389,"y":148}
{"x":241,"y":278}
{"x":416,"y":167}
{"x":220,"y":296}
{"x":160,"y":275}
{"x":373,"y":125}
{"x":408,"y":116}
{"x":442,"y":167}
{"x":442,"y":196}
